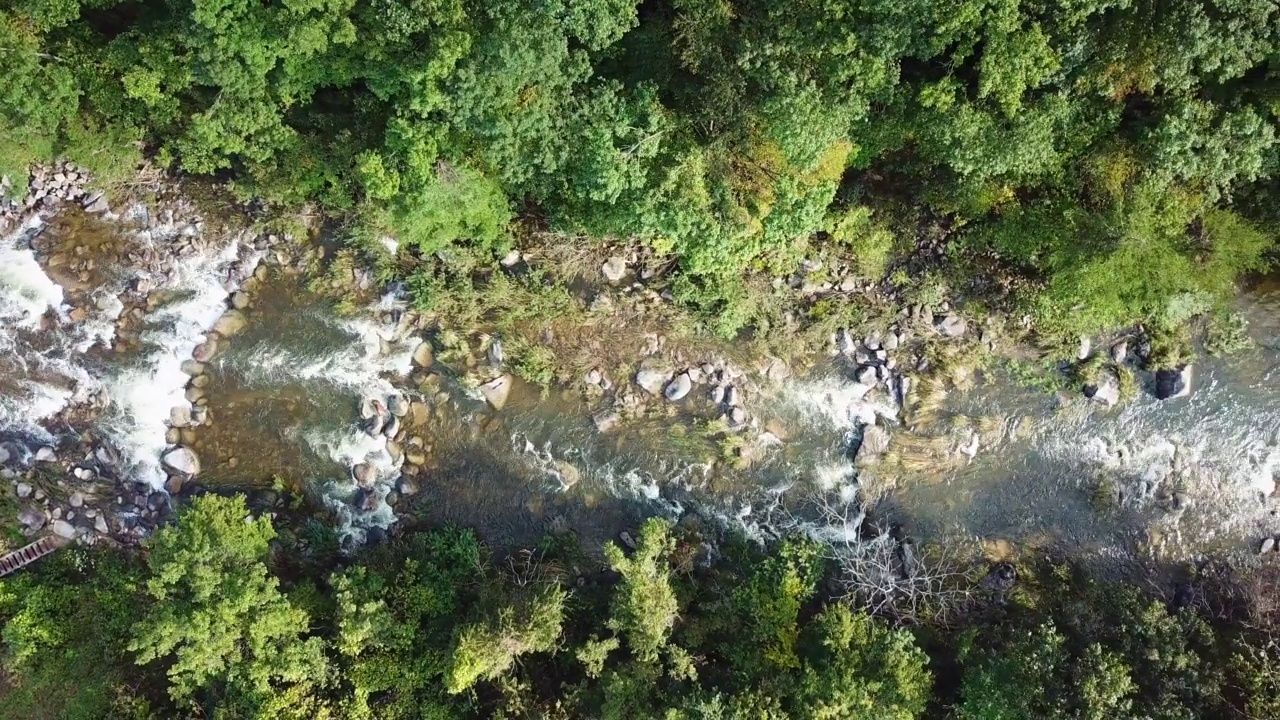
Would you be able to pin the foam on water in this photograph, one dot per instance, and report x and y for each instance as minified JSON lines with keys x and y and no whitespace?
{"x":144,"y":392}
{"x":41,"y":372}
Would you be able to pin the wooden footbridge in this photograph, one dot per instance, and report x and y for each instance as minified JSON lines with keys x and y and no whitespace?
{"x":28,"y":554}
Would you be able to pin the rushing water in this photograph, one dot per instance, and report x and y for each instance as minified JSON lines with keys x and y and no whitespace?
{"x":1181,"y":477}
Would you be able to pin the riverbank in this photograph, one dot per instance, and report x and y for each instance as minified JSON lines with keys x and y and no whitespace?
{"x":539,"y":389}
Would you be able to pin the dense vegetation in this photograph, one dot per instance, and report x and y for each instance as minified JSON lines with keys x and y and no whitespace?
{"x":1111,"y":157}
{"x":225,"y":620}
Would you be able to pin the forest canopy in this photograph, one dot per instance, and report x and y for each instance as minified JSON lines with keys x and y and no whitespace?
{"x":1081,"y":145}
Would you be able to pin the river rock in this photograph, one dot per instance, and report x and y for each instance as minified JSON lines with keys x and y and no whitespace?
{"x":392,"y":428}
{"x":653,"y":375}
{"x":106,"y":456}
{"x":64,"y":529}
{"x":717,"y":394}
{"x":32,"y":519}
{"x":732,"y":396}
{"x":205,"y":351}
{"x":100,"y":524}
{"x":407,"y":487}
{"x":182,"y":460}
{"x":423,"y":355}
{"x":46,"y":454}
{"x":398,"y":405}
{"x":192,"y":368}
{"x":1120,"y":351}
{"x":891,"y":341}
{"x":496,"y":391}
{"x":867,"y":375}
{"x":180,"y":416}
{"x":1000,"y":578}
{"x":374,"y":426}
{"x":606,"y":420}
{"x":1106,"y":392}
{"x":23,"y":490}
{"x":1173,"y":383}
{"x":231,"y":323}
{"x":1268,"y":544}
{"x":614,"y":269}
{"x":511,"y":259}
{"x":875,"y":440}
{"x":419,"y":413}
{"x":367,"y":500}
{"x":363,"y":474}
{"x":96,"y":204}
{"x":679,"y":387}
{"x":76,"y":500}
{"x":951,"y":325}
{"x":1086,"y":347}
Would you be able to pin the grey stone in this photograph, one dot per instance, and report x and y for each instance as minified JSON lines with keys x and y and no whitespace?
{"x":1086,"y":347}
{"x":183,"y":460}
{"x":76,"y":499}
{"x":606,"y":420}
{"x":1268,"y":544}
{"x":717,"y":394}
{"x":231,"y":323}
{"x":100,"y":524}
{"x":614,"y":269}
{"x":64,"y":529}
{"x":46,"y":454}
{"x":1106,"y":392}
{"x":423,"y":355}
{"x":363,"y":473}
{"x":1173,"y":383}
{"x":867,"y":375}
{"x":398,"y":405}
{"x":891,"y":342}
{"x":732,"y":397}
{"x":875,"y":440}
{"x":180,"y":416}
{"x":510,"y":259}
{"x":240,"y":300}
{"x":1120,"y":351}
{"x":951,"y":325}
{"x":407,"y":487}
{"x":23,"y":490}
{"x":679,"y":387}
{"x":653,"y":375}
{"x":205,"y":351}
{"x":594,"y":377}
{"x":32,"y":519}
{"x":497,"y":391}
{"x":106,"y":456}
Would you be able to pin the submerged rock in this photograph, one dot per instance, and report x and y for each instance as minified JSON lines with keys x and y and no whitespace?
{"x":606,"y":420}
{"x":183,"y":460}
{"x":496,"y":391}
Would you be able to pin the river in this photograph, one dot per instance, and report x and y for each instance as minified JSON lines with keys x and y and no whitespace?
{"x":99,"y":321}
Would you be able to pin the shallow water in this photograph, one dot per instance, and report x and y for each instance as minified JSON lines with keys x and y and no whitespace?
{"x":1184,"y":477}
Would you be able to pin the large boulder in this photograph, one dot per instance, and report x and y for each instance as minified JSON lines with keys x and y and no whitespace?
{"x":496,"y":391}
{"x":677,"y":389}
{"x":423,"y":355}
{"x":1173,"y":383}
{"x":614,"y":269}
{"x":653,"y":375}
{"x":951,"y":325}
{"x":182,"y":460}
{"x":1106,"y":391}
{"x":231,"y":323}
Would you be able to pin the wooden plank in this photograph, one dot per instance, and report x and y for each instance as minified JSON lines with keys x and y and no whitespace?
{"x":28,"y":554}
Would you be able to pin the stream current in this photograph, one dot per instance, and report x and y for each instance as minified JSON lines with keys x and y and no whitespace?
{"x":1184,"y":478}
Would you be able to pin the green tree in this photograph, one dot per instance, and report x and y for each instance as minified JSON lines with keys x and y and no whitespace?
{"x":644,"y":607}
{"x":218,"y":619}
